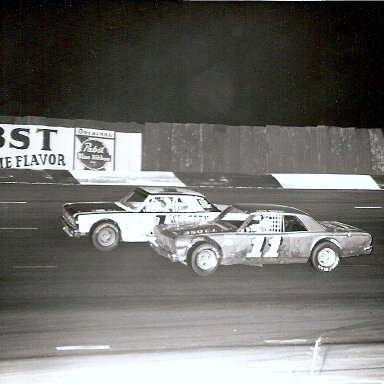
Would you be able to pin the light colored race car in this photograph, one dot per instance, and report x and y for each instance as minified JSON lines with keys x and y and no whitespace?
{"x":132,"y":218}
{"x":260,"y":234}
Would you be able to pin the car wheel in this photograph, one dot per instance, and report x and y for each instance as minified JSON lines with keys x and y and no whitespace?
{"x":105,"y":237}
{"x":325,"y":257}
{"x":204,"y":259}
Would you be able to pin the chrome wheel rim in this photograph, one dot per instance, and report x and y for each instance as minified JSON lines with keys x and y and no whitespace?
{"x":106,"y":237}
{"x":327,"y":257}
{"x":206,"y":260}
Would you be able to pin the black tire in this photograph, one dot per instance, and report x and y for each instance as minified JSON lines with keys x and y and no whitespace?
{"x":325,"y":257}
{"x":204,"y":259}
{"x":105,"y":236}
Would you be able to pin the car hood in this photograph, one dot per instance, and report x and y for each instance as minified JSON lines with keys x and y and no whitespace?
{"x":175,"y":230}
{"x":76,"y":208}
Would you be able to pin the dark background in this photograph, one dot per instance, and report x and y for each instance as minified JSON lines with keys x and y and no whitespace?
{"x":236,"y":63}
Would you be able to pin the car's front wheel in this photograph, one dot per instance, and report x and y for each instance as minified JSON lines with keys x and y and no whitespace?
{"x":204,"y":259}
{"x":325,"y":257}
{"x":105,"y":236}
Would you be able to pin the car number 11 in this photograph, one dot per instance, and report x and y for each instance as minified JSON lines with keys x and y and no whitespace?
{"x":259,"y":244}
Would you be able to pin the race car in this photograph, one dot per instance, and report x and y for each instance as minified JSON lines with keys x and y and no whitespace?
{"x":132,"y":218}
{"x":260,"y":234}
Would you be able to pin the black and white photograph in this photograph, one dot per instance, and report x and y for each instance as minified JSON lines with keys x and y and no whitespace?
{"x":191,"y":192}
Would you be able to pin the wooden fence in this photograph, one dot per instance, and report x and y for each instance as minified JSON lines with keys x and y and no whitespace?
{"x":242,"y":149}
{"x":259,"y":150}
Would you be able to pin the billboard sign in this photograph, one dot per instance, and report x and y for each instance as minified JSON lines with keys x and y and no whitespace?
{"x":46,"y":147}
{"x":94,"y":149}
{"x":35,"y":146}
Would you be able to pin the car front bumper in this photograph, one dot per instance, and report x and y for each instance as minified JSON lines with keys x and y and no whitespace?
{"x":70,"y":230}
{"x":165,"y":252}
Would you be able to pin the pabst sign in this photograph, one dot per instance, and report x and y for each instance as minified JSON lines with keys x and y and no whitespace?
{"x":94,"y":149}
{"x":35,"y":147}
{"x":93,"y":154}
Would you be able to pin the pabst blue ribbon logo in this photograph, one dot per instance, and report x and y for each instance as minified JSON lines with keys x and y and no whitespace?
{"x":93,"y":154}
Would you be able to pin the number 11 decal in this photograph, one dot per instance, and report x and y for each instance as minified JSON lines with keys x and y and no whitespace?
{"x":259,"y":243}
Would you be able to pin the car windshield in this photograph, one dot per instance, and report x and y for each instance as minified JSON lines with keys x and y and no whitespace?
{"x":234,"y":224}
{"x":233,"y":216}
{"x":229,"y":211}
{"x":206,"y":205}
{"x":134,"y":199}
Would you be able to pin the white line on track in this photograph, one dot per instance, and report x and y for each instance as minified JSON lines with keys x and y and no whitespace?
{"x":83,"y":347}
{"x":289,"y":341}
{"x":34,"y":266}
{"x":355,"y":265}
{"x":18,"y":228}
{"x":368,"y":207}
{"x":13,"y":202}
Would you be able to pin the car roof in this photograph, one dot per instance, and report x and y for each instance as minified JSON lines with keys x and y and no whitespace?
{"x":249,"y":208}
{"x":169,"y":191}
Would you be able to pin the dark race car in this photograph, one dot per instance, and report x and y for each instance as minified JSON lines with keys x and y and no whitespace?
{"x":260,"y":234}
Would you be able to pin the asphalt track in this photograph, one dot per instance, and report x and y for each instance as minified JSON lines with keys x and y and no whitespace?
{"x":69,"y":311}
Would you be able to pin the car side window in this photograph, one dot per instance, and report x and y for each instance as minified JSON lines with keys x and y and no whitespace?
{"x":264,"y":222}
{"x":183,"y":205}
{"x":189,"y":204}
{"x":293,"y":224}
{"x":159,"y":204}
{"x":206,"y":205}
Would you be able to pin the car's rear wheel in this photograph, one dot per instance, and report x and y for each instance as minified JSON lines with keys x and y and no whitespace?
{"x":105,"y":236}
{"x":325,"y":257}
{"x":204,"y":259}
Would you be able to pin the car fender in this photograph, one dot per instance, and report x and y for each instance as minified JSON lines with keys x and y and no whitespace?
{"x":336,"y":243}
{"x":203,"y":239}
{"x":87,"y":221}
{"x":104,"y":220}
{"x":330,"y":239}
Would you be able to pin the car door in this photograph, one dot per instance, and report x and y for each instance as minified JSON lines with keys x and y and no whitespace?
{"x":139,"y":225}
{"x":187,"y":209}
{"x":164,"y":209}
{"x":258,"y":240}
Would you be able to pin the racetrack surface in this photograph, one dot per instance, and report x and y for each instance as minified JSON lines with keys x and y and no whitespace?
{"x":64,"y":304}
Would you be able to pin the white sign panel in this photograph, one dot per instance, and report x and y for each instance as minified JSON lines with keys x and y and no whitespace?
{"x":128,"y":152}
{"x":46,"y":147}
{"x":36,"y":146}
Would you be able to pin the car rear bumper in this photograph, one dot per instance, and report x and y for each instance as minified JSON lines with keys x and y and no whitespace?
{"x":367,"y":250}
